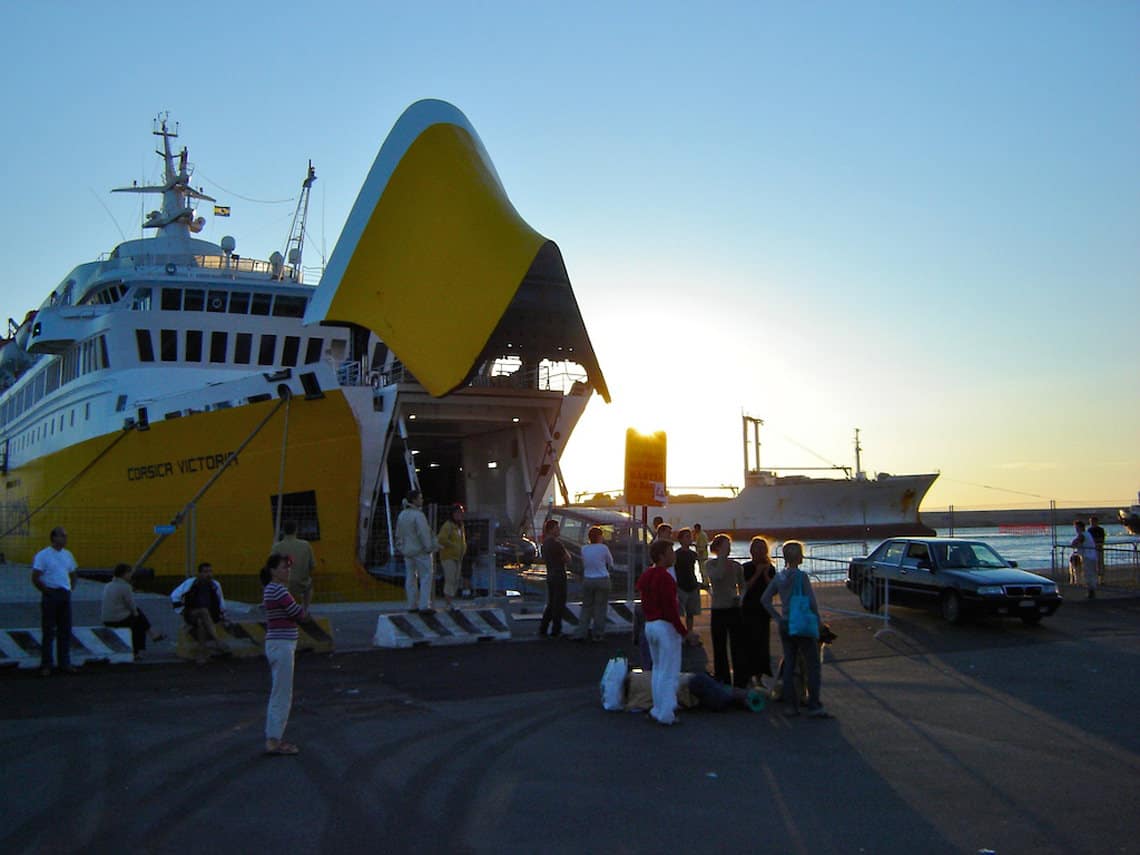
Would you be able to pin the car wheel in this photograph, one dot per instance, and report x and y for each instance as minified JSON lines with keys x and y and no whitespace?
{"x":868,"y":595}
{"x":952,"y":607}
{"x":1030,"y":618}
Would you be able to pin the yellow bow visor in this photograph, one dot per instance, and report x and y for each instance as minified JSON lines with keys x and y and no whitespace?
{"x":436,"y":261}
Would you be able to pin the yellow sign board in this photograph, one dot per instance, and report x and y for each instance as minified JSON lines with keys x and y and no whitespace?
{"x":644,"y":468}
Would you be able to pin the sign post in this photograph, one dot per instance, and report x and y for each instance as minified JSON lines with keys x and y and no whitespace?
{"x":644,"y":486}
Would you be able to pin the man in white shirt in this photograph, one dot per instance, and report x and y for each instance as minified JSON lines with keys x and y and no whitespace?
{"x":54,"y":574}
{"x":416,"y":543}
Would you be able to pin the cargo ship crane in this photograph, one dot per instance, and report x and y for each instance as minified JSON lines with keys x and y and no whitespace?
{"x":295,"y":245}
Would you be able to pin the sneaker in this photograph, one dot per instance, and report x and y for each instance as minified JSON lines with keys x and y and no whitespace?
{"x":818,"y":712}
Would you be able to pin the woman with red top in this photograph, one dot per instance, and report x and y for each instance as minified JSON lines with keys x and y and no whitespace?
{"x":282,"y":614}
{"x":663,"y":629}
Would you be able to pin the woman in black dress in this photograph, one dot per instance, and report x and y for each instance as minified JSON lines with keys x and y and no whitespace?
{"x":754,"y":617}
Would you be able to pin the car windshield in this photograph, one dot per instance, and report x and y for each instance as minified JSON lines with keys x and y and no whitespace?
{"x":968,"y":556}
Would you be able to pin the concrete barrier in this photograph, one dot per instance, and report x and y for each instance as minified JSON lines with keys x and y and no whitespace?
{"x":463,"y":626}
{"x":619,"y":617}
{"x":247,"y":638}
{"x":21,"y":647}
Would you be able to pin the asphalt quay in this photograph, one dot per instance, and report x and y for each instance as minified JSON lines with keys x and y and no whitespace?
{"x":992,"y":735}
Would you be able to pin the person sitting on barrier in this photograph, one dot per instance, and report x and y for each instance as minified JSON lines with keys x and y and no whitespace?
{"x":203,"y":607}
{"x":119,"y":610}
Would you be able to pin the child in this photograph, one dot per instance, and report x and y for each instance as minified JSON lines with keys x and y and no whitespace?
{"x":663,"y":630}
{"x":1074,"y":568}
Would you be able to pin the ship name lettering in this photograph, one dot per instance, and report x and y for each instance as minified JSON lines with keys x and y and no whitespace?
{"x":209,"y":462}
{"x":186,"y":466}
{"x":150,"y":470}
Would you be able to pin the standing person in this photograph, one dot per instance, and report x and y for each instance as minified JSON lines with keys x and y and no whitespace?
{"x":754,"y":618}
{"x":663,"y":629}
{"x":789,"y":581}
{"x":556,"y":558}
{"x":688,"y":586}
{"x":54,"y":575}
{"x":597,"y":562}
{"x":282,"y":614}
{"x":1084,"y":544}
{"x":452,"y":548}
{"x":701,"y":542}
{"x":119,"y":610}
{"x":302,"y":563}
{"x":416,"y":543}
{"x":1097,"y":534}
{"x":726,"y":578}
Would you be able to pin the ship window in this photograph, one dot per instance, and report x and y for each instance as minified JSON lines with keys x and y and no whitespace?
{"x":216,"y":301}
{"x":141,"y":301}
{"x":313,"y":350}
{"x":173,"y":414}
{"x":219,"y":341}
{"x":193,"y":345}
{"x":120,"y":405}
{"x":289,"y":307}
{"x":41,"y":382}
{"x":168,"y":345}
{"x":243,"y":346}
{"x":194,"y":300}
{"x":239,"y":303}
{"x":87,"y":408}
{"x":104,"y":356}
{"x":146,"y":349}
{"x":266,"y":350}
{"x":72,"y":419}
{"x":52,"y":377}
{"x":300,"y":508}
{"x":260,"y":304}
{"x":289,"y":350}
{"x":171,"y":299}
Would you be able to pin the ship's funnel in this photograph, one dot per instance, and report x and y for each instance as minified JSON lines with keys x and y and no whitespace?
{"x":436,"y":261}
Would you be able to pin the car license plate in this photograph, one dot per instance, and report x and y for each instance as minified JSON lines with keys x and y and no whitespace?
{"x":1026,"y":604}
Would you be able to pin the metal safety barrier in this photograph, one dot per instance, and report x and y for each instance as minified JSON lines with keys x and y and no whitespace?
{"x":830,"y":573}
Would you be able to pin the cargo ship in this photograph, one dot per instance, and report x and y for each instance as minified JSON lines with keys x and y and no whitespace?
{"x":805,"y":507}
{"x":175,"y":402}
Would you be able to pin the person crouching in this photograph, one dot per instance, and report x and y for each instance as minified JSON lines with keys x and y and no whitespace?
{"x":663,"y":630}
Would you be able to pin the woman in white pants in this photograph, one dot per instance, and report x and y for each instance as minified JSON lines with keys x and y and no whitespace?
{"x":282,"y":614}
{"x":663,"y":630}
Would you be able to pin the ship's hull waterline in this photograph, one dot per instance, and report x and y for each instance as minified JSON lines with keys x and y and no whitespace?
{"x":112,"y":509}
{"x":813,"y":509}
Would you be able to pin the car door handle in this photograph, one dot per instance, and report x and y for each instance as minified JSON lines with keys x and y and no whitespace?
{"x":902,"y":572}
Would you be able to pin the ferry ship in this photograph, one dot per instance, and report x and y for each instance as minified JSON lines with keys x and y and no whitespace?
{"x":782,"y":507}
{"x":176,"y":402}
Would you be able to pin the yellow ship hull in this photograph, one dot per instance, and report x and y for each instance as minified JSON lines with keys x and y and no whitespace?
{"x":111,"y":511}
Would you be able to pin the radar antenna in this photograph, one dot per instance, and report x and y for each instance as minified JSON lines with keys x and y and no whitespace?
{"x":295,"y":245}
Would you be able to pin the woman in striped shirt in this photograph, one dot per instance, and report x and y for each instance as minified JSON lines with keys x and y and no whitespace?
{"x":282,"y":614}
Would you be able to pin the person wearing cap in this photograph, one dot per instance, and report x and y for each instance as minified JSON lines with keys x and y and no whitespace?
{"x":416,"y":543}
{"x":452,"y":548}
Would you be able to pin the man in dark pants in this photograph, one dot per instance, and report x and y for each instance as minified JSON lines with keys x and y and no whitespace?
{"x":556,"y":557}
{"x":54,"y":574}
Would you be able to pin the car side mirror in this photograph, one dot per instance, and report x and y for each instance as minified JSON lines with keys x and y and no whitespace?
{"x":1012,"y":563}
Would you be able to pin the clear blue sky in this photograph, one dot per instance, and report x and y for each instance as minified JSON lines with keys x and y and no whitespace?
{"x":920,"y":219}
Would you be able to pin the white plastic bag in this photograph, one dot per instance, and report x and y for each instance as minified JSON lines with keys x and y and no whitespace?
{"x":613,"y":681}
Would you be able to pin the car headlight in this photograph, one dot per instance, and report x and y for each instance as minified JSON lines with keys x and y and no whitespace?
{"x":1048,"y":588}
{"x":991,"y":590}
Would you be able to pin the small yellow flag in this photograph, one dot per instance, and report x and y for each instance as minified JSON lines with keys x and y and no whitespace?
{"x":221,"y":210}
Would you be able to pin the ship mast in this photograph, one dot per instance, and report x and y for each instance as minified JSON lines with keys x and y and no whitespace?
{"x":295,"y":245}
{"x":860,"y":475}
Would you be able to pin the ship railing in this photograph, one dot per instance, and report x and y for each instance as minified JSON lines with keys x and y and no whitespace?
{"x":189,"y":263}
{"x":1121,"y":565}
{"x":566,"y":378}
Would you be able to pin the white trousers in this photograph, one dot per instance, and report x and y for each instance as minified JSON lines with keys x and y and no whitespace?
{"x":418,"y":574}
{"x":280,"y":655}
{"x":665,"y":650}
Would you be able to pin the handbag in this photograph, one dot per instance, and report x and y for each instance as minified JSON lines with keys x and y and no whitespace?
{"x":613,"y":682}
{"x":802,"y":621}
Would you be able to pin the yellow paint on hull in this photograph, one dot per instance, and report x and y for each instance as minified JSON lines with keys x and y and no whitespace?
{"x":111,"y":511}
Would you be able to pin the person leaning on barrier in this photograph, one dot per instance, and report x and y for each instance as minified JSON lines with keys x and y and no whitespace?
{"x":200,"y":601}
{"x":119,"y":610}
